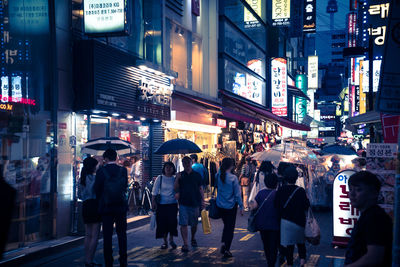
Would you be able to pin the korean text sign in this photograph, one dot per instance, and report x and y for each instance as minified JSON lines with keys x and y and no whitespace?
{"x":344,"y":215}
{"x":279,"y":86}
{"x":104,"y":16}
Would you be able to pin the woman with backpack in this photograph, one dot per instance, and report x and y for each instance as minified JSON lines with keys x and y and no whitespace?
{"x":292,"y":204}
{"x":228,"y":198}
{"x":267,"y":217}
{"x":164,"y":202}
{"x":90,"y":214}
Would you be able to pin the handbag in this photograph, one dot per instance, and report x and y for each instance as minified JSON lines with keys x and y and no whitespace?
{"x":157,"y":197}
{"x":312,"y":232}
{"x":153,"y":221}
{"x":213,"y":212}
{"x":251,"y":221}
{"x":205,"y":222}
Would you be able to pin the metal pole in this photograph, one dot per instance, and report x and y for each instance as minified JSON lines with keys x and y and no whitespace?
{"x":396,"y":224}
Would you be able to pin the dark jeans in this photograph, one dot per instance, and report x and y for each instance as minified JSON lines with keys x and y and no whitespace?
{"x":229,"y":219}
{"x":108,"y":227}
{"x":289,"y":252}
{"x":270,"y":240}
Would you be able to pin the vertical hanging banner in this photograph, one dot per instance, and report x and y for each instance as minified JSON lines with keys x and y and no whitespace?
{"x":351,"y":29}
{"x":376,"y":74}
{"x":249,"y":20}
{"x":280,"y":12}
{"x":309,"y":16}
{"x":363,"y":96}
{"x":301,"y":103}
{"x":279,"y":86}
{"x":313,"y":72}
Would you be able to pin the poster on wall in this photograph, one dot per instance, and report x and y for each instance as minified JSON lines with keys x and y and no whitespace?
{"x":313,"y":72}
{"x":279,"y":86}
{"x":344,"y":214}
{"x":381,"y":160}
{"x":309,"y":16}
{"x":104,"y":17}
{"x":280,"y":13}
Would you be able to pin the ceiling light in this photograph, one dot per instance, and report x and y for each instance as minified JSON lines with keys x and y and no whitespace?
{"x":129,"y":116}
{"x":142,"y":119}
{"x":115,"y":114}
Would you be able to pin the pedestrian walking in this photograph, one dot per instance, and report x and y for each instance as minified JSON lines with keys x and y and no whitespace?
{"x":371,"y":238}
{"x":198,"y":167}
{"x":292,"y":203}
{"x":267,"y":218}
{"x":110,"y":186}
{"x":90,"y":209}
{"x":266,"y":168}
{"x":166,"y":206}
{"x":245,"y":178}
{"x":228,"y":198}
{"x":189,"y":193}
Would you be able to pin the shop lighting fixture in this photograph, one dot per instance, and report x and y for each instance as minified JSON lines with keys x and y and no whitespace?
{"x":98,"y":111}
{"x":189,"y":126}
{"x":123,"y":119}
{"x":129,"y":116}
{"x":142,"y":119}
{"x":115,"y":114}
{"x":137,"y":121}
{"x":156,"y":120}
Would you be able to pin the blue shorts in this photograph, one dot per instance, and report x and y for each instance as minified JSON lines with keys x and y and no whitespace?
{"x":188,"y":215}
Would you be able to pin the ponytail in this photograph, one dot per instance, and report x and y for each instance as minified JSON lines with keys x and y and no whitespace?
{"x":226,"y":164}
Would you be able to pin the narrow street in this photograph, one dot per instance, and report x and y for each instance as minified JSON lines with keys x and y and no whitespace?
{"x":144,"y":249}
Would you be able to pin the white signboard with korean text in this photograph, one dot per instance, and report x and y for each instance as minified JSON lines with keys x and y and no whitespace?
{"x":279,"y":86}
{"x":376,"y":74}
{"x":104,"y":16}
{"x":344,"y":215}
{"x":381,"y":150}
{"x":313,"y":72}
{"x":280,"y":12}
{"x":4,"y":89}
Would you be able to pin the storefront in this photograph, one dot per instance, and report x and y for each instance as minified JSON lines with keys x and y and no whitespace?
{"x":118,"y":98}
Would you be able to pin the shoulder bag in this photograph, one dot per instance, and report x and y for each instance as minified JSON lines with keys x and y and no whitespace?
{"x":213,"y":212}
{"x":251,"y":221}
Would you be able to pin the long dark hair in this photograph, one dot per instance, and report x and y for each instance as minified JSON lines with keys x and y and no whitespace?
{"x":225,"y":165}
{"x":266,"y":167}
{"x":89,"y":166}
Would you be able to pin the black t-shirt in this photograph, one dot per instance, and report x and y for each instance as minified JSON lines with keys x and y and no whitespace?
{"x":374,"y":227}
{"x":296,"y":208}
{"x":189,"y":184}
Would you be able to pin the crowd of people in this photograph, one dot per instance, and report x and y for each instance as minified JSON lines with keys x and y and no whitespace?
{"x":178,"y":198}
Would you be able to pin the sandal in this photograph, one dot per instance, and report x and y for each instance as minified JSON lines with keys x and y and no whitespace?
{"x":194,"y":243}
{"x":173,"y":245}
{"x":185,"y":248}
{"x":164,"y":246}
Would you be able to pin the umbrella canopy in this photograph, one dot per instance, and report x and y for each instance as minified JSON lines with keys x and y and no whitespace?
{"x":338,"y":149}
{"x":99,"y":145}
{"x":287,"y":152}
{"x":178,"y":146}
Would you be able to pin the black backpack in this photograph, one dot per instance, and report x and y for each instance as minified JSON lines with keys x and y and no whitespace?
{"x":114,"y":188}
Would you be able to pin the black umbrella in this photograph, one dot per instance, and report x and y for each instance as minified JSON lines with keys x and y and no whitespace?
{"x":99,"y":145}
{"x":178,"y":146}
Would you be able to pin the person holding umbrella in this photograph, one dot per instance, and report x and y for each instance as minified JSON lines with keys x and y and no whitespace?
{"x":189,"y":193}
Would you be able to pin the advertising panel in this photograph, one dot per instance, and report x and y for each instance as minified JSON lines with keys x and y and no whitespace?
{"x":29,"y":16}
{"x":377,"y":72}
{"x":280,"y":12}
{"x":104,"y":16}
{"x":352,"y":99}
{"x":249,"y":20}
{"x":363,"y":96}
{"x":313,"y":72}
{"x":309,"y":16}
{"x":279,"y":86}
{"x":375,"y":23}
{"x":351,"y":30}
{"x":301,"y":103}
{"x":344,"y":215}
{"x":4,"y":89}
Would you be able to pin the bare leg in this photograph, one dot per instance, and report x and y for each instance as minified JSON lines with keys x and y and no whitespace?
{"x":193,"y":230}
{"x":184,"y":233}
{"x":93,"y":241}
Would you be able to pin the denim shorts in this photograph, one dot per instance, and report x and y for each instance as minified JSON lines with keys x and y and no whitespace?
{"x":188,"y":215}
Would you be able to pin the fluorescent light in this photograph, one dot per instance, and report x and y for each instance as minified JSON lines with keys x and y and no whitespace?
{"x":129,"y":116}
{"x":195,"y":127}
{"x":156,"y":120}
{"x":115,"y":114}
{"x":123,"y":119}
{"x":142,"y":119}
{"x":137,"y":121}
{"x":95,"y":111}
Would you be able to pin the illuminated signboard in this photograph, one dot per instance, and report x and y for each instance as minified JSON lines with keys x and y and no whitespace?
{"x":16,"y":91}
{"x":247,"y":85}
{"x":249,"y":20}
{"x":309,"y":16}
{"x":16,"y":87}
{"x":351,"y":30}
{"x":104,"y":16}
{"x":279,"y":86}
{"x":155,"y":92}
{"x":221,"y":123}
{"x":29,"y":16}
{"x":313,"y":72}
{"x":377,"y":71}
{"x":344,"y":215}
{"x":280,"y":12}
{"x":363,"y":96}
{"x":301,"y":103}
{"x":4,"y":89}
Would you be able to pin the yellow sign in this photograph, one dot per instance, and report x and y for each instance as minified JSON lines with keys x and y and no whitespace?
{"x":6,"y":107}
{"x":363,"y":96}
{"x":280,"y":9}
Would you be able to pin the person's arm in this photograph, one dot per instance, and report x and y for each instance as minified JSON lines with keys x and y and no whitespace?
{"x":155,"y":191}
{"x":374,"y":257}
{"x":237,"y":194}
{"x":203,"y":204}
{"x":253,"y":205}
{"x":176,"y":185}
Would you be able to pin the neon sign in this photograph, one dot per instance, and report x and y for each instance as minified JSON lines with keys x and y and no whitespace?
{"x":21,"y":100}
{"x":6,"y":106}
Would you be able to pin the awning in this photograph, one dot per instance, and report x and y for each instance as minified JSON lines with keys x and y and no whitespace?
{"x":368,"y":117}
{"x":297,"y":92}
{"x":261,"y":111}
{"x":217,"y":108}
